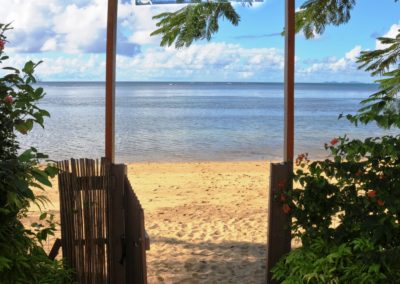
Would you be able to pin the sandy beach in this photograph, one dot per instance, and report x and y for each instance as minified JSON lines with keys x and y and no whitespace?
{"x":207,"y":221}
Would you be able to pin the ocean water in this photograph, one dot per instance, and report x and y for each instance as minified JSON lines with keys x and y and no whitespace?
{"x":195,"y":121}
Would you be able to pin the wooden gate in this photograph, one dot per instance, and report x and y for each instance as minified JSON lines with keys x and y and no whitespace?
{"x":102,"y":223}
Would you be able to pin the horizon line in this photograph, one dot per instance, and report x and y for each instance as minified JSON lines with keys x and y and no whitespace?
{"x":212,"y":82}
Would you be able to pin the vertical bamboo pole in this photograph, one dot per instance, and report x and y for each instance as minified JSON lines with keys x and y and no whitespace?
{"x":289,"y":81}
{"x":110,"y":79}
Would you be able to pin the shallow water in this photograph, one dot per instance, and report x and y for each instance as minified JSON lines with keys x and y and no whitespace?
{"x":195,"y":121}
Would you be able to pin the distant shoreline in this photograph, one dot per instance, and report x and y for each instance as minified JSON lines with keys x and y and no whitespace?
{"x":207,"y":82}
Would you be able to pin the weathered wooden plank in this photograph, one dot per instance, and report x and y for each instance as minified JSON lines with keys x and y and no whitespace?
{"x":54,"y":250}
{"x":147,"y":240}
{"x":117,"y":225}
{"x":136,"y":267}
{"x":279,"y":234}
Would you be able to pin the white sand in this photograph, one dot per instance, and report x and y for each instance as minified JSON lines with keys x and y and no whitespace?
{"x":207,"y":221}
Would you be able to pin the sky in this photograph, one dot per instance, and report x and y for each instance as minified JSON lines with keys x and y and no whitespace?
{"x":70,"y":37}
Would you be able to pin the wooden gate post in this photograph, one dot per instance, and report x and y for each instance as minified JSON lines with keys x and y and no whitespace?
{"x":117,"y":225}
{"x":279,"y":234}
{"x":136,"y":270}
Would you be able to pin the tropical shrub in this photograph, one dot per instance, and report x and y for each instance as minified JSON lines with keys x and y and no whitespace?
{"x":343,"y":207}
{"x":346,"y":210}
{"x":22,"y":257}
{"x":356,"y":261}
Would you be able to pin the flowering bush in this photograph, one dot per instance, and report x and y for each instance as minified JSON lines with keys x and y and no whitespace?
{"x":355,"y":194}
{"x":22,"y":258}
{"x":352,"y":198}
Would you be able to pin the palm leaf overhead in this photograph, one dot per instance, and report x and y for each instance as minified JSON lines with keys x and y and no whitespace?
{"x":199,"y":20}
{"x":193,"y":22}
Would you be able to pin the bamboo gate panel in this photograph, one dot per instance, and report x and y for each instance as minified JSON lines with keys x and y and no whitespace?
{"x":102,"y":223}
{"x":84,"y":201}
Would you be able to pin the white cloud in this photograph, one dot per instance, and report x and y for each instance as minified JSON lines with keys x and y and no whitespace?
{"x":71,"y":36}
{"x":342,"y":69}
{"x":66,"y":26}
{"x":201,"y":62}
{"x":141,"y":37}
{"x":393,"y":31}
{"x":81,"y":26}
{"x":49,"y":45}
{"x":354,"y":53}
{"x":139,"y":21}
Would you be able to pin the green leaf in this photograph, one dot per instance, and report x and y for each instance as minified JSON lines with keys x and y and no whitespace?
{"x":12,"y":69}
{"x":41,"y":177}
{"x":51,"y":170}
{"x":28,"y":67}
{"x":44,"y":113}
{"x":26,"y":156}
{"x":43,"y":216}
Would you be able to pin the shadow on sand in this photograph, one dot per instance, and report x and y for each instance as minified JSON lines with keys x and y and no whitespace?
{"x":208,"y":262}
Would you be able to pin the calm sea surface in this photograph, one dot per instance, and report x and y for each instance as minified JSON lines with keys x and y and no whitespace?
{"x":195,"y":121}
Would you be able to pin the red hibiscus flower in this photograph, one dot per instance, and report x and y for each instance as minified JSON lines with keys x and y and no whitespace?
{"x":334,"y":141}
{"x":371,"y":193}
{"x":380,"y":202}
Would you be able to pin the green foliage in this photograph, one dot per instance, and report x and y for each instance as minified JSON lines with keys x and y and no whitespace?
{"x":22,"y":258}
{"x":354,"y":194}
{"x":200,"y":20}
{"x":346,"y":211}
{"x":193,"y":22}
{"x":382,"y":107}
{"x":315,"y":15}
{"x":356,"y":261}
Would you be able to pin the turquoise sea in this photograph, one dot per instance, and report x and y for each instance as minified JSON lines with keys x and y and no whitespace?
{"x":171,"y":121}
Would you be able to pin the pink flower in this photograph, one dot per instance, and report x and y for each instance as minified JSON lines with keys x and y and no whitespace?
{"x":8,"y":99}
{"x":2,"y":44}
{"x":281,"y":184}
{"x":282,"y":197}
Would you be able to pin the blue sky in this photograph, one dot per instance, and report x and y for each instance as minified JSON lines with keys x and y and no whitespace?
{"x":70,"y":37}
